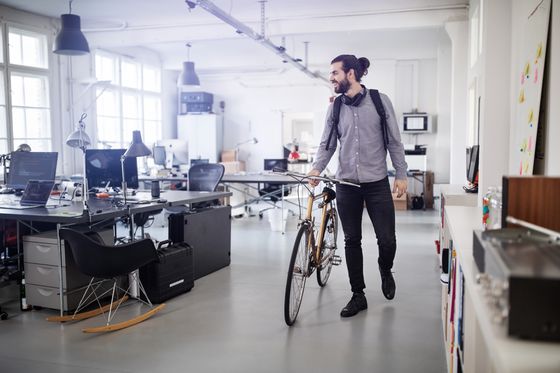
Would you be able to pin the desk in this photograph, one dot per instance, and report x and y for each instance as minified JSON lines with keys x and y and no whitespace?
{"x":99,"y":211}
{"x":426,"y":178}
{"x":249,"y":179}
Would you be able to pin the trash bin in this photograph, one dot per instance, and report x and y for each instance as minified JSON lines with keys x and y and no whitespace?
{"x":277,"y":221}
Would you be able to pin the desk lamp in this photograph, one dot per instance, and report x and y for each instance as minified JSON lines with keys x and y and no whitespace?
{"x":80,"y":139}
{"x":136,"y":149}
{"x":238,"y":145}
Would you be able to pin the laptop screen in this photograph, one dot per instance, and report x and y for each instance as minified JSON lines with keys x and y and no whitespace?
{"x":37,"y":192}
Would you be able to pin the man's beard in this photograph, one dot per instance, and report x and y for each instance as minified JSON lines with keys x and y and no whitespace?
{"x":343,"y":86}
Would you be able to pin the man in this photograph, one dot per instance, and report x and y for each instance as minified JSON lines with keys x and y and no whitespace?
{"x":364,"y":143}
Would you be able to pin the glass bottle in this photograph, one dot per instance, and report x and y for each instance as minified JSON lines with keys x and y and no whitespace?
{"x":486,"y":207}
{"x":496,"y":210}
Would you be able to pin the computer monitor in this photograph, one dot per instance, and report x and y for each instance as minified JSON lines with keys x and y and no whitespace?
{"x":159,"y":155}
{"x":472,"y":167}
{"x":104,"y":166}
{"x":199,"y":161}
{"x":176,"y":152}
{"x":25,"y":166}
{"x":280,"y":164}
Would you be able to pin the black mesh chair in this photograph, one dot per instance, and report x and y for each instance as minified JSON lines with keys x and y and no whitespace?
{"x":205,"y":177}
{"x":107,"y":262}
{"x":272,"y":192}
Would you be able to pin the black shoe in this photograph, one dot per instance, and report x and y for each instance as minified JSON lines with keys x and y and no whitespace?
{"x":387,"y":283}
{"x":357,"y":303}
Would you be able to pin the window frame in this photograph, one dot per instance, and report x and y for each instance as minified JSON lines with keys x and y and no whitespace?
{"x":121,"y":91}
{"x":7,"y":69}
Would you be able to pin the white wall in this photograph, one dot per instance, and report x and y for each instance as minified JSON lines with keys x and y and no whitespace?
{"x":443,"y":145}
{"x":552,"y":88}
{"x":550,"y":117}
{"x":458,"y":33}
{"x":255,"y":110}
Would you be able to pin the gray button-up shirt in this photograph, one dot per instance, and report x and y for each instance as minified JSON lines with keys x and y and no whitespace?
{"x":362,"y":156}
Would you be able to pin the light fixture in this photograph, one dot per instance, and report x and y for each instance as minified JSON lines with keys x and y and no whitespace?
{"x":188,"y":76}
{"x":136,"y":149}
{"x":70,"y":40}
{"x":254,"y":140}
{"x":80,"y":139}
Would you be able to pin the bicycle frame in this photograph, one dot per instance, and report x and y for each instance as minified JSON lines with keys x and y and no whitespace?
{"x":325,"y":205}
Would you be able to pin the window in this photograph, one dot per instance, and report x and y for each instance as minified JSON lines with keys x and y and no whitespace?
{"x":24,"y":90}
{"x":132,"y":103}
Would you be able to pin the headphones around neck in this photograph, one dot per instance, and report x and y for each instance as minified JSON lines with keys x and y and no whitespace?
{"x":353,"y":101}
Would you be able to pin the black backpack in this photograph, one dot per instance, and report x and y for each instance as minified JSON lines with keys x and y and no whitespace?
{"x":376,"y":98}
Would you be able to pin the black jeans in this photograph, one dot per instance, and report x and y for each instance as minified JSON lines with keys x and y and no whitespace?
{"x":379,"y":204}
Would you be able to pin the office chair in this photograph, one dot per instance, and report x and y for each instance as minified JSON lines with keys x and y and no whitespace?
{"x":107,"y":262}
{"x":202,"y":177}
{"x":272,"y":192}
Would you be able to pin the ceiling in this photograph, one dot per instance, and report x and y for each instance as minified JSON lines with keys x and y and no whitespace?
{"x":377,"y":29}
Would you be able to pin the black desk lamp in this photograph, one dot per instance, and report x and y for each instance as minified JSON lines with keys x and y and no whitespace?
{"x":136,"y":149}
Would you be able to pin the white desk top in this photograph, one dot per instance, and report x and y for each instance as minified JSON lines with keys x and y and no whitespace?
{"x":508,"y":354}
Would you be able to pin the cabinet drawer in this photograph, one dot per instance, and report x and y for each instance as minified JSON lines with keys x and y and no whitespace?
{"x":45,"y":253}
{"x":46,"y":275}
{"x":45,"y":296}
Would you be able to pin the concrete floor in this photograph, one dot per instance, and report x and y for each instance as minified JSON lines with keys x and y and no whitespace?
{"x":232,"y":320}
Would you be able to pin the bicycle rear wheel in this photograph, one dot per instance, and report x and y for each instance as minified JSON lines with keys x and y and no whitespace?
{"x":297,"y":275}
{"x":328,"y":247}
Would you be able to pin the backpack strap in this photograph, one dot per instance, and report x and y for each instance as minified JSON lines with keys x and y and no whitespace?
{"x":335,"y":117}
{"x":376,"y":98}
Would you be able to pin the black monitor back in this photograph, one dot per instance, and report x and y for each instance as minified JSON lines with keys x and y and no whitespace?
{"x":25,"y":166}
{"x":472,"y":169}
{"x":279,"y":163}
{"x":104,"y":166}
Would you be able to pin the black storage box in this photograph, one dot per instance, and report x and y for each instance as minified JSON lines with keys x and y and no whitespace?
{"x":208,"y":231}
{"x":172,"y":275}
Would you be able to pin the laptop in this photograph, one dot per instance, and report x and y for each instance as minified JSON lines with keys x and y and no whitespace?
{"x":36,"y":194}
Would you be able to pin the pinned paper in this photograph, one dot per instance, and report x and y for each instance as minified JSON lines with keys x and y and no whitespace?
{"x":536,"y":78}
{"x":527,"y":70}
{"x":523,"y":145}
{"x":539,"y":51}
{"x":522,"y":96}
{"x":531,"y":116}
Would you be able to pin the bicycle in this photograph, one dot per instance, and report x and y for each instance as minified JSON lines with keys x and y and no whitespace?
{"x":311,"y":251}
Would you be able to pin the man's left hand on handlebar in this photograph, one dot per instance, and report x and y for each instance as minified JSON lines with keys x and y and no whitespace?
{"x":400,"y":187}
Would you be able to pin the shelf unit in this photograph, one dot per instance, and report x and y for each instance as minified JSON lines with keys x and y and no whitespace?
{"x":486,"y":346}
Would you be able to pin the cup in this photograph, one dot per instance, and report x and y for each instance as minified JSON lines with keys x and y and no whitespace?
{"x":155,"y":189}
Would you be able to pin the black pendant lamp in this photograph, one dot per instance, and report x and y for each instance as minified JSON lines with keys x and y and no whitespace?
{"x":188,"y":76}
{"x":70,"y":40}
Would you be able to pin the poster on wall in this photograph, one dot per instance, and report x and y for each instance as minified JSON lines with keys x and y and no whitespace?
{"x":530,"y":81}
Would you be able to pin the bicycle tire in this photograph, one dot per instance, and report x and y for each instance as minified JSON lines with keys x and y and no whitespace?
{"x":328,"y":246}
{"x":295,"y":285}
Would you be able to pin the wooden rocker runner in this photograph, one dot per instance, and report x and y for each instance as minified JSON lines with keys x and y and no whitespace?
{"x":107,"y":263}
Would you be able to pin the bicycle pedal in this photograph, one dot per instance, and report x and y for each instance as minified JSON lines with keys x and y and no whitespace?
{"x":336,"y":260}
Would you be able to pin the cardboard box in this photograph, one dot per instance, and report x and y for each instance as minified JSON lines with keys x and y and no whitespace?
{"x":228,"y":156}
{"x":233,"y":167}
{"x":400,"y":202}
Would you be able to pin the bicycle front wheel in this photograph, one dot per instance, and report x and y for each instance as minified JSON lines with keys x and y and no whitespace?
{"x":297,"y":274}
{"x":328,"y":247}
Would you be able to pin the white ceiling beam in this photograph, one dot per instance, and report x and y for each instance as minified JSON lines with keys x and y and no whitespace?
{"x":165,"y":33}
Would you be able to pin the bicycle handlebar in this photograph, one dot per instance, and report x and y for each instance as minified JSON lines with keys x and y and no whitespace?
{"x":301,"y":177}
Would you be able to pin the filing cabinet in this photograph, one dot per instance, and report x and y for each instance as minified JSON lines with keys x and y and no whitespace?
{"x":41,"y":262}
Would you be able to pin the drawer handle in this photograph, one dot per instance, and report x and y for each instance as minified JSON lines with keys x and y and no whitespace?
{"x":43,"y":248}
{"x":44,"y":270}
{"x":45,"y":293}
